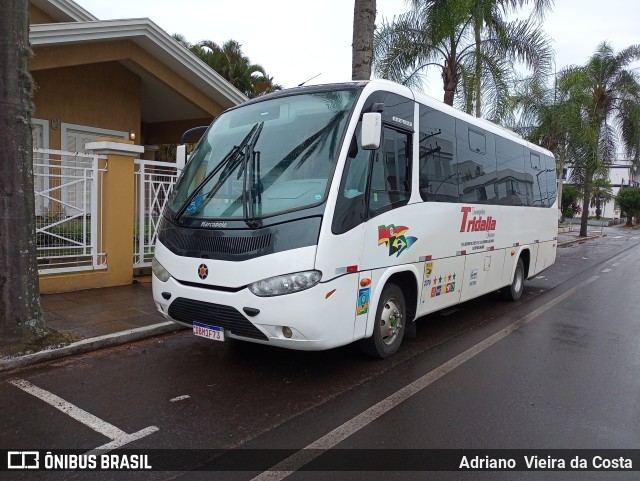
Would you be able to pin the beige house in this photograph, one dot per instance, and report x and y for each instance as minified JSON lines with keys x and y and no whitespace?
{"x":113,"y":91}
{"x":119,"y":78}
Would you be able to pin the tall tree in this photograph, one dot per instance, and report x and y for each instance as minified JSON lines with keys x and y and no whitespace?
{"x":235,"y":67}
{"x":489,"y":16}
{"x":610,"y":93}
{"x":442,"y":34}
{"x":364,"y":18}
{"x":600,"y":192}
{"x":20,"y":311}
{"x":629,"y":200}
{"x":546,"y":116}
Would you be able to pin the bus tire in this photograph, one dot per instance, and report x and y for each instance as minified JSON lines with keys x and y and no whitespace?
{"x":514,"y":291}
{"x":389,"y":324}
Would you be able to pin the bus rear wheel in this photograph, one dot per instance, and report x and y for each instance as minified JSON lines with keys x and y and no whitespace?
{"x":514,"y":291}
{"x":389,"y":324}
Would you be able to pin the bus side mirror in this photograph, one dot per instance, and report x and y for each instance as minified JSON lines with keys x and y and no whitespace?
{"x":181,"y":156}
{"x":371,"y":130}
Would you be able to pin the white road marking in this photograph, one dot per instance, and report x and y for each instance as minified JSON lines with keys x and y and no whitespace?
{"x":615,"y":264}
{"x":118,"y":436}
{"x":180,"y":398}
{"x":605,"y":270}
{"x":539,"y":277}
{"x":339,"y":434}
{"x":635,"y":238}
{"x":126,"y":439}
{"x":618,"y":237}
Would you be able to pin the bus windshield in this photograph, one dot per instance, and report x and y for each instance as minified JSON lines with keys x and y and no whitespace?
{"x":265,"y":158}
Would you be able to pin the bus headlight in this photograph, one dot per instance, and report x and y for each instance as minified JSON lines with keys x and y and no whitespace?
{"x":159,"y":271}
{"x":278,"y":285}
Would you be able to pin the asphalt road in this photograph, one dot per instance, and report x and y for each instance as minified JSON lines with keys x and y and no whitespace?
{"x":556,"y":370}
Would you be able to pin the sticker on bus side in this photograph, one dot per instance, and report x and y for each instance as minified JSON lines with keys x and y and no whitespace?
{"x":394,"y":237}
{"x":428,"y":269}
{"x":443,"y":285}
{"x":363,"y":301}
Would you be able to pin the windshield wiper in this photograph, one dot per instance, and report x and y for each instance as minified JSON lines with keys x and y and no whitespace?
{"x":249,"y":171}
{"x":231,"y":156}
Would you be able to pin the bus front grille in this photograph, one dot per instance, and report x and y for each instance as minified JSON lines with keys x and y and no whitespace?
{"x":227,"y":317}
{"x":206,"y":242}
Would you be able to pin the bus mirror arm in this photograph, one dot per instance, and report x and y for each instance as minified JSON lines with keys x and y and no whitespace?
{"x":371,"y":130}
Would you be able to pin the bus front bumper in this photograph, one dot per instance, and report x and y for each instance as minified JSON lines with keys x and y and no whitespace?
{"x":321,"y":317}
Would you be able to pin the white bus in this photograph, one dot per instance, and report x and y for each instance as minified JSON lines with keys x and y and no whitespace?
{"x":319,"y":216}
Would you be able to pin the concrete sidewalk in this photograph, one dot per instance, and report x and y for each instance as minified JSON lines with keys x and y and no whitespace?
{"x":96,"y":312}
{"x":99,"y":318}
{"x":569,"y":233}
{"x":116,"y":315}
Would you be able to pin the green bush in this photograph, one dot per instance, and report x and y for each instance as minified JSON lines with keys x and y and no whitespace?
{"x":629,"y":201}
{"x":72,"y":230}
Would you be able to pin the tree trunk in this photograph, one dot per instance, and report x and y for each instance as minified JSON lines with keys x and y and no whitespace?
{"x":478,"y":73}
{"x":560,"y":183}
{"x":20,"y":312}
{"x":450,"y":74}
{"x":364,"y":18}
{"x":585,"y":210}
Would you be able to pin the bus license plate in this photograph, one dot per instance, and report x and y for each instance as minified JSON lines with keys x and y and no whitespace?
{"x":209,"y":332}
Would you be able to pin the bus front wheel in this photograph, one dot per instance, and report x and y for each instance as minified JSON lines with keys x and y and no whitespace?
{"x":513,"y":292}
{"x":389,"y":324}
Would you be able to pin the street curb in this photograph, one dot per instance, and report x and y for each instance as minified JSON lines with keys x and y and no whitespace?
{"x":579,"y":239}
{"x":90,"y":344}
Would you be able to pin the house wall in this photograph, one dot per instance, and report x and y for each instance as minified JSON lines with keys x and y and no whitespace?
{"x":621,"y":173}
{"x":104,"y":95}
{"x":122,"y":50}
{"x":37,"y":16}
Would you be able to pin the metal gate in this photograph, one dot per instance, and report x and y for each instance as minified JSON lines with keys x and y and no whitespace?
{"x":68,"y":211}
{"x":153,"y":183}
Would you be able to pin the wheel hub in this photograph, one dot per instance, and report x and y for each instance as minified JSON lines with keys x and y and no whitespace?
{"x":390,"y":321}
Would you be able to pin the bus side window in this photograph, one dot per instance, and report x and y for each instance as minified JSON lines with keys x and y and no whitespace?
{"x":350,"y":209}
{"x":550,"y":165}
{"x":534,"y":171}
{"x":391,"y":175}
{"x":438,"y":174}
{"x":475,"y":150}
{"x":438,"y":168}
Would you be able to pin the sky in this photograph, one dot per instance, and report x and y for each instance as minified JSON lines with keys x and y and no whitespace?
{"x":295,"y":40}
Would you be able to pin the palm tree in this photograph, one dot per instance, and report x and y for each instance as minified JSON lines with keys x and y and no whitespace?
{"x":601,"y":191}
{"x":364,"y":19}
{"x":443,"y":34}
{"x":546,"y":116}
{"x":231,"y":63}
{"x":488,"y":15}
{"x":609,"y":94}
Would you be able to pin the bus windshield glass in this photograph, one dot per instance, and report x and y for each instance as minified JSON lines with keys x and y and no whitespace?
{"x":265,"y":158}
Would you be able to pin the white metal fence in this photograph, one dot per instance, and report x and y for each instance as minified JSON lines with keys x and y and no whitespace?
{"x":153,"y":184}
{"x":68,"y":210}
